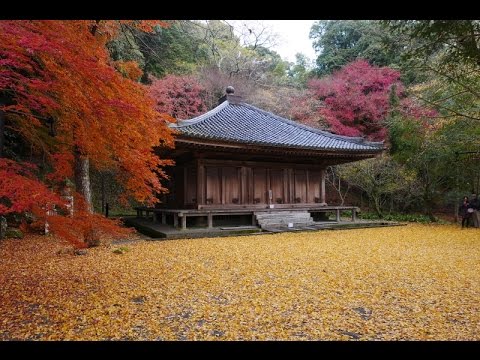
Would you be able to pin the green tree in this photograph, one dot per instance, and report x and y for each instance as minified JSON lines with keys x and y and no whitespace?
{"x":379,"y":178}
{"x":448,"y":54}
{"x":301,"y":71}
{"x":427,"y":148}
{"x":338,"y":42}
{"x":176,"y":49}
{"x":457,"y":40}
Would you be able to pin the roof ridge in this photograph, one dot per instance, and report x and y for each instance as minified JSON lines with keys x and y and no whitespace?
{"x":197,"y":119}
{"x":356,"y":139}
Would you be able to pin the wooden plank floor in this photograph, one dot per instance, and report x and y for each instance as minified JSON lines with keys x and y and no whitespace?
{"x":160,"y":231}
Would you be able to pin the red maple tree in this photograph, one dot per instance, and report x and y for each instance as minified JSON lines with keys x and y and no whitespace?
{"x":61,"y":70}
{"x":20,"y":189}
{"x":58,"y":74}
{"x":355,"y":101}
{"x":181,"y":97}
{"x":356,"y":98}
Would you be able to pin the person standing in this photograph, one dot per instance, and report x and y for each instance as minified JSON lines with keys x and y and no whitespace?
{"x":475,"y":205}
{"x":463,"y":211}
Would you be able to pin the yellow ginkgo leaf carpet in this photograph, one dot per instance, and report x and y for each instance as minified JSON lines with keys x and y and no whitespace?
{"x":411,"y":282}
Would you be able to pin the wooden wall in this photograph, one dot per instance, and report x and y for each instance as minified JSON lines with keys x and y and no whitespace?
{"x":217,"y":182}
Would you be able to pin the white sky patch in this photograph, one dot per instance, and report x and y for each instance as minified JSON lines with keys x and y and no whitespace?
{"x":292,"y":36}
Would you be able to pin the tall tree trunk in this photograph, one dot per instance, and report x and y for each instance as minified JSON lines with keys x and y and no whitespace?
{"x":82,"y":177}
{"x":376,"y":202}
{"x":82,"y":163}
{"x":102,"y":182}
{"x":428,"y":202}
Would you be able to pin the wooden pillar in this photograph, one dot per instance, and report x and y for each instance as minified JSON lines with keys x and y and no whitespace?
{"x":291,"y":187}
{"x":285,"y":186}
{"x":200,"y":183}
{"x":322,"y":188}
{"x":210,"y":220}
{"x":175,"y":220}
{"x":307,"y":185}
{"x":243,"y":185}
{"x":222,"y":186}
{"x":354,"y":214}
{"x":254,"y":220}
{"x":250,"y":187}
{"x":269,"y":187}
{"x":337,"y":215}
{"x":185,"y":186}
{"x":184,"y":222}
{"x":164,"y":218}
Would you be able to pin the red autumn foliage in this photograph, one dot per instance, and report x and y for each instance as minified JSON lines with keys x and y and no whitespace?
{"x":85,"y":229}
{"x":306,"y":109}
{"x":62,"y":168}
{"x":21,"y":191}
{"x":129,"y":69}
{"x":62,"y":70}
{"x":354,"y":101}
{"x":181,"y":97}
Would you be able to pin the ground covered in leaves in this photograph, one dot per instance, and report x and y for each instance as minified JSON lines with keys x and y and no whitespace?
{"x":392,"y":283}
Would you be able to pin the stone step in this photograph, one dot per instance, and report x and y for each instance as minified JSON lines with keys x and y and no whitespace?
{"x":246,"y":227}
{"x":284,"y":224}
{"x":285,"y":221}
{"x":284,"y":217}
{"x":282,"y":213}
{"x":281,"y":219}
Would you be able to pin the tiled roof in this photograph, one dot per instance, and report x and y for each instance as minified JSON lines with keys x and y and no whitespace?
{"x":244,"y":123}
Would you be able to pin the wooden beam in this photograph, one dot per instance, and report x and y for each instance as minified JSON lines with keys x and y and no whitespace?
{"x":239,"y":163}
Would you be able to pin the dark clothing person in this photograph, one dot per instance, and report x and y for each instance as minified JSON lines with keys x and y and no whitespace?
{"x":464,"y":212}
{"x":475,"y":205}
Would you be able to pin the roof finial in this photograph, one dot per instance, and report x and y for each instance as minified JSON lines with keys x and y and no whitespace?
{"x":230,"y":90}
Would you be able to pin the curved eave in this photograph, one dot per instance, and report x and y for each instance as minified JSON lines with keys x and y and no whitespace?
{"x":222,"y":143}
